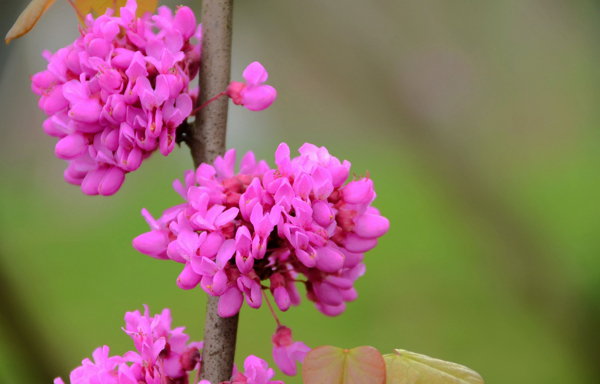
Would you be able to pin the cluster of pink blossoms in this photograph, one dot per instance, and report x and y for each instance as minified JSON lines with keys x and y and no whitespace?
{"x":121,"y":90}
{"x":162,"y":353}
{"x":118,"y":93}
{"x":163,"y":356}
{"x":236,"y":230}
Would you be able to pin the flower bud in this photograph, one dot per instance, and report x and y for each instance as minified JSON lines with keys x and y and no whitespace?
{"x":322,"y":213}
{"x":71,"y":146}
{"x":112,"y":181}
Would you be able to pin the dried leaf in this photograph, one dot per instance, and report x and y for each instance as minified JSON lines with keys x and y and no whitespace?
{"x":405,"y":367}
{"x":98,"y":7}
{"x":27,"y":19}
{"x":332,"y":365}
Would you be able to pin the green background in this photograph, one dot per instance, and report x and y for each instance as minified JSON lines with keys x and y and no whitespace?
{"x":477,"y":121}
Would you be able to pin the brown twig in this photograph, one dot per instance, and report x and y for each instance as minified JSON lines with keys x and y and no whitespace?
{"x":207,"y":140}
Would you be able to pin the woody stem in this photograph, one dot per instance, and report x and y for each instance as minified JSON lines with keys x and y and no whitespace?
{"x":206,"y":142}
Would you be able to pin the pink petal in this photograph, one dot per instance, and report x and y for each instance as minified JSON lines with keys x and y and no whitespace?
{"x":351,"y":259}
{"x":284,"y":362}
{"x":162,"y":89}
{"x":329,"y":259}
{"x":355,"y":243}
{"x":305,"y":258}
{"x":255,"y":73}
{"x":226,"y":217}
{"x":185,"y":22}
{"x":230,"y":302}
{"x":259,"y":97}
{"x":328,"y":294}
{"x":245,"y":266}
{"x":225,"y":252}
{"x":188,"y":279}
{"x":112,"y":181}
{"x":205,"y":266}
{"x":219,"y":282}
{"x":86,"y":111}
{"x":322,"y":213}
{"x":282,"y":299}
{"x":71,"y":146}
{"x":330,"y":310}
{"x":357,"y":192}
{"x":348,"y":294}
{"x":211,"y":245}
{"x":92,"y":180}
{"x":371,"y":226}
{"x":152,"y":243}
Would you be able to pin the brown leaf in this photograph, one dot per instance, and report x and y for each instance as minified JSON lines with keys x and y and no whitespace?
{"x":98,"y":7}
{"x":27,"y":19}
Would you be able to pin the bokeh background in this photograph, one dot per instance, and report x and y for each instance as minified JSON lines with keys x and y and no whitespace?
{"x":478,"y":122}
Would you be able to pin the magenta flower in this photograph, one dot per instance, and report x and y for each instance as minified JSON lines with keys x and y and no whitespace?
{"x":286,"y":352}
{"x":253,"y":95}
{"x":256,"y":371}
{"x":114,"y":98}
{"x":279,"y":292}
{"x":102,"y":370}
{"x":237,"y":230}
{"x":163,"y":355}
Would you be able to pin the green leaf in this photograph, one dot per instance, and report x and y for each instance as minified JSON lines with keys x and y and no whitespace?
{"x":332,"y":365}
{"x":405,"y":367}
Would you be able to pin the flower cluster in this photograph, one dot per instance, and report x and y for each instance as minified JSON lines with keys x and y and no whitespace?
{"x":162,"y":353}
{"x":256,"y":371}
{"x":236,"y":230}
{"x":286,"y":352}
{"x":253,"y":94}
{"x":118,"y":93}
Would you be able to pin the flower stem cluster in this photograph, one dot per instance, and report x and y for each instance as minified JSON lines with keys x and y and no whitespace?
{"x":119,"y":92}
{"x":163,"y":355}
{"x":237,"y":230}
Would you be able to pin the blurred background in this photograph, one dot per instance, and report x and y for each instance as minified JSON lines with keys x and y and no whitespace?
{"x":478,"y":122}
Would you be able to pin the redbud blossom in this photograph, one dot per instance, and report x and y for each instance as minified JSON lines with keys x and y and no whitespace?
{"x":162,"y":353}
{"x":256,"y":371}
{"x":236,"y":230}
{"x":253,"y":95}
{"x":286,"y":352}
{"x":118,"y":93}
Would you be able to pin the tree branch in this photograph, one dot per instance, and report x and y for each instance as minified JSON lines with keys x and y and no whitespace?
{"x":207,"y":141}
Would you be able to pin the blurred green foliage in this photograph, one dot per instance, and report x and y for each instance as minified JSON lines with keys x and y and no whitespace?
{"x":477,"y":122}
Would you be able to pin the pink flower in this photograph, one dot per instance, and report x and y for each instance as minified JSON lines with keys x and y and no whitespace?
{"x":253,"y":95}
{"x":296,"y":220}
{"x":256,"y":371}
{"x":114,"y":98}
{"x":162,"y":353}
{"x":280,"y":294}
{"x":286,"y":352}
{"x":102,"y":370}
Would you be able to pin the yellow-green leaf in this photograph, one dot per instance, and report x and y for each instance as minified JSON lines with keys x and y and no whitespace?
{"x":332,"y":365}
{"x":98,"y":7}
{"x":405,"y":367}
{"x":27,"y":19}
